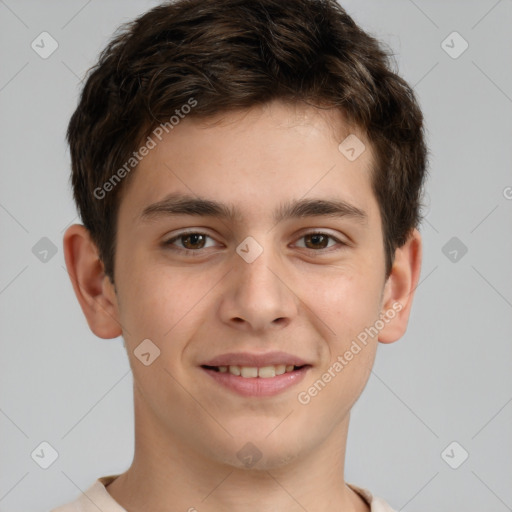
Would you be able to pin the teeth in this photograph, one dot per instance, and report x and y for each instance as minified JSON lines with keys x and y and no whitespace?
{"x":265,"y":372}
{"x":234,"y":370}
{"x":280,"y":369}
{"x":248,"y":371}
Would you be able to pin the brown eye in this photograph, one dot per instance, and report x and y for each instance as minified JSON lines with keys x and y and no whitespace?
{"x":193,"y":241}
{"x":320,"y":242}
{"x":316,"y":241}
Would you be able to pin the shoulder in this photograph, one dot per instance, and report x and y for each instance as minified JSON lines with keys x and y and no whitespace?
{"x":95,"y":498}
{"x":376,"y":504}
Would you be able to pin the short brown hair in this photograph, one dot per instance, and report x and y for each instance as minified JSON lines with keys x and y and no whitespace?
{"x":235,"y":54}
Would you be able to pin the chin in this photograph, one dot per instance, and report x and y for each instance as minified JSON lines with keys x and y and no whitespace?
{"x":256,"y":460}
{"x":257,"y":450}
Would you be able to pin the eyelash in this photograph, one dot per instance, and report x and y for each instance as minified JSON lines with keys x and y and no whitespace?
{"x":197,"y":252}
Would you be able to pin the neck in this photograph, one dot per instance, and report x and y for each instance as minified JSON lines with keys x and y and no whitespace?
{"x":168,"y":474}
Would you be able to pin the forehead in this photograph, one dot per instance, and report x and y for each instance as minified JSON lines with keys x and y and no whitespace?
{"x":252,"y":160}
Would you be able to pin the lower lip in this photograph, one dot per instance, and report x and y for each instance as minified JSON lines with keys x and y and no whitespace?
{"x":256,"y":386}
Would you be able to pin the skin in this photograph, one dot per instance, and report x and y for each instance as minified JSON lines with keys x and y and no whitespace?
{"x":299,"y":296}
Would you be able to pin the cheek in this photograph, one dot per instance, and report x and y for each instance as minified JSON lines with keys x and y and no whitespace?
{"x":163,"y":304}
{"x":148,"y":311}
{"x":347,"y":300}
{"x":348,"y":304}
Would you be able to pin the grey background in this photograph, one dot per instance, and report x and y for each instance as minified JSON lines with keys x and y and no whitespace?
{"x":449,"y":379}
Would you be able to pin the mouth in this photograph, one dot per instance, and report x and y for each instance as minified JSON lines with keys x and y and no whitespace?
{"x":256,"y":381}
{"x":251,"y":372}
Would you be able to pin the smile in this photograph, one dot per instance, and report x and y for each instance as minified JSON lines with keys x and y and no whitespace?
{"x":264,"y":372}
{"x":253,"y":381}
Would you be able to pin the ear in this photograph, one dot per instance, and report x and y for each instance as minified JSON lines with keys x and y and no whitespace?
{"x":94,"y":290}
{"x":400,"y":287}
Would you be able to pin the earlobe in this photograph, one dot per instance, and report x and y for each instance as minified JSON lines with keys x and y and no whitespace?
{"x":92,"y":287}
{"x":400,"y":288}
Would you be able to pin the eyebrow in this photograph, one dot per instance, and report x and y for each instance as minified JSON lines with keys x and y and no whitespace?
{"x":178,"y":204}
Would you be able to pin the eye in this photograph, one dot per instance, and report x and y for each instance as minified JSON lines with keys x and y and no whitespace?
{"x":190,"y":241}
{"x":193,"y":241}
{"x":318,"y":240}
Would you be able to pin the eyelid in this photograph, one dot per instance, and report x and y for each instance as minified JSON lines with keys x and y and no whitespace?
{"x":173,"y":238}
{"x":323,"y":232}
{"x":169,"y":242}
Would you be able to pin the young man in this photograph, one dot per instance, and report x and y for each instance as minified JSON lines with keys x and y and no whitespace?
{"x":248,"y":173}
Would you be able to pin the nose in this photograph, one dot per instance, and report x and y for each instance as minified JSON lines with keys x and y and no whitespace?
{"x":258,"y":295}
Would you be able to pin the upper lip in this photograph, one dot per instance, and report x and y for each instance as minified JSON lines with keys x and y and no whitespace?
{"x":255,"y":360}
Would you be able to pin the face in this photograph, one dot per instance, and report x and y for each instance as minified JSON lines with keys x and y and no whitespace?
{"x":281,"y":274}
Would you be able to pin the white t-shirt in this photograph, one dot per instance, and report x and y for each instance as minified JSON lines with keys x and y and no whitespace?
{"x":97,"y":498}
